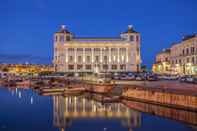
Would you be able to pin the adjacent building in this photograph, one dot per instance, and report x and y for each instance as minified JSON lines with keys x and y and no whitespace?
{"x":162,"y":64}
{"x":79,"y":54}
{"x":181,"y":59}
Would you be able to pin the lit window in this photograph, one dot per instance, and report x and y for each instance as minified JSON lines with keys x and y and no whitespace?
{"x":123,"y":67}
{"x":193,"y":60}
{"x":87,"y":49}
{"x":97,"y":58}
{"x":88,"y":59}
{"x":88,"y":67}
{"x":70,"y":58}
{"x":105,"y":67}
{"x":79,"y":67}
{"x":71,"y":67}
{"x":79,"y":49}
{"x":122,"y":49}
{"x":79,"y":58}
{"x":71,"y":49}
{"x":114,"y":49}
{"x":96,"y":49}
{"x":114,"y":67}
{"x":105,"y":58}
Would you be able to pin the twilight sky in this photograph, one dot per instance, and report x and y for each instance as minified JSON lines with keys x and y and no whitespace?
{"x":27,"y":26}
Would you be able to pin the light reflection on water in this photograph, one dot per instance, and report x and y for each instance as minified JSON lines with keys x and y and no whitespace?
{"x":25,"y":110}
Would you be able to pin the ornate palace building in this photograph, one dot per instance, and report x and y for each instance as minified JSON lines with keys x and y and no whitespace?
{"x":182,"y":58}
{"x":76,"y":54}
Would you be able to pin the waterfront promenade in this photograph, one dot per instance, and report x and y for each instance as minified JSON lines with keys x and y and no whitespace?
{"x":164,"y":85}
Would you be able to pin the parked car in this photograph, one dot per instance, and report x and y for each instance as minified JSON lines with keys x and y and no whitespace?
{"x":168,"y":77}
{"x":152,"y":78}
{"x":195,"y":80}
{"x":188,"y":79}
{"x":140,"y":78}
{"x":116,"y":77}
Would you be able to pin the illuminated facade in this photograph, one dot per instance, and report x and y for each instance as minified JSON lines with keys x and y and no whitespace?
{"x":183,"y":57}
{"x":162,"y":64}
{"x":73,"y":54}
{"x":68,"y":109}
{"x":26,"y":68}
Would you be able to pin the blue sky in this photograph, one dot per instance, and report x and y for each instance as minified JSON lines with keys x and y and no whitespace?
{"x":27,"y":26}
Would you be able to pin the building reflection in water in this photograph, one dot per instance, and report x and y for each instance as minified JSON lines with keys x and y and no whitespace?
{"x":67,"y":109}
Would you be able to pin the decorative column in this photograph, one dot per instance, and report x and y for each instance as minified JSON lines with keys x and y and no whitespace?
{"x":75,"y":59}
{"x":66,"y":59}
{"x":127,"y":59}
{"x":110,"y":59}
{"x":118,"y":65}
{"x":83,"y":59}
{"x":101,"y":59}
{"x":92,"y":61}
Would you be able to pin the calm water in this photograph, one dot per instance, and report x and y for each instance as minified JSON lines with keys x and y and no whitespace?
{"x":25,"y":110}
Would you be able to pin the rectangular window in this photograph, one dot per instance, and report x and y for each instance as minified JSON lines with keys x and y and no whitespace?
{"x":79,"y":67}
{"x":123,"y":49}
{"x":61,"y":38}
{"x":192,"y":50}
{"x":131,"y":38}
{"x":96,"y":49}
{"x":114,"y":49}
{"x":187,"y":60}
{"x":193,"y":60}
{"x":79,"y":49}
{"x":123,"y":67}
{"x":79,"y":59}
{"x":183,"y":52}
{"x":70,"y":59}
{"x":114,"y":67}
{"x":71,"y":49}
{"x":187,"y":51}
{"x":180,"y":61}
{"x":105,"y":58}
{"x":71,"y":67}
{"x":88,"y":59}
{"x":96,"y":58}
{"x":105,"y":67}
{"x":137,"y":38}
{"x":67,"y":38}
{"x":87,"y":49}
{"x":56,"y":38}
{"x":88,"y":67}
